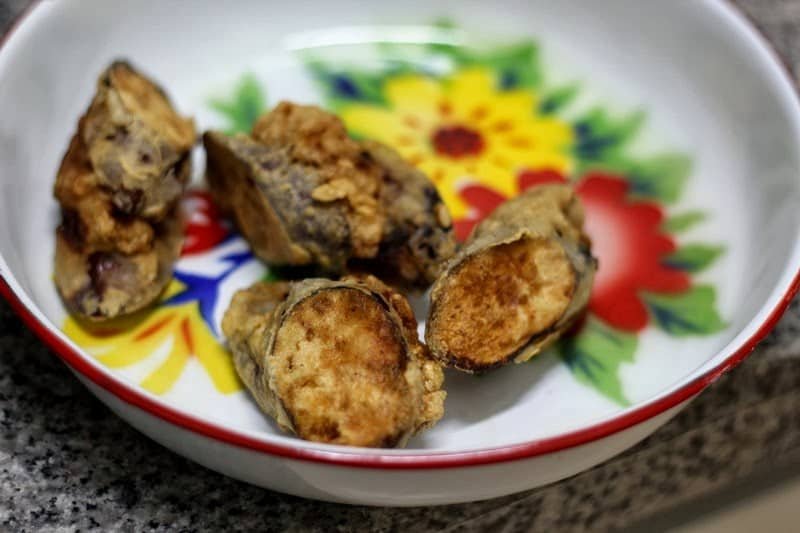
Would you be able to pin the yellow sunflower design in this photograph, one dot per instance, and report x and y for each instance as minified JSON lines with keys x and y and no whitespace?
{"x":463,"y":127}
{"x":484,"y":124}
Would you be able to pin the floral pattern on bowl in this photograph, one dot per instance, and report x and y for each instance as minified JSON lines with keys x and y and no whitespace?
{"x":484,"y":125}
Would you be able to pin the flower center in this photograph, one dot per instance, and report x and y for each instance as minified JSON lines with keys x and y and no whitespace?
{"x":457,"y":141}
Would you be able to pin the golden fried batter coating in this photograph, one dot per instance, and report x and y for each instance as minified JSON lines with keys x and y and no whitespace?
{"x":270,"y":197}
{"x":91,"y":207}
{"x":335,"y":361}
{"x":519,"y":282}
{"x":121,"y":228}
{"x":303,"y":193}
{"x":316,"y":138}
{"x":99,"y":285}
{"x":137,"y":143}
{"x":418,"y":234}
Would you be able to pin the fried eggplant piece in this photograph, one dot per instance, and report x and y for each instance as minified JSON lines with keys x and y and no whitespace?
{"x":121,"y":227}
{"x":89,"y":218}
{"x":99,"y":285}
{"x":303,"y":193}
{"x":106,"y":264}
{"x":418,"y":235}
{"x":335,"y":361}
{"x":316,"y":138}
{"x":271,"y":199}
{"x":520,"y":281}
{"x":137,"y":143}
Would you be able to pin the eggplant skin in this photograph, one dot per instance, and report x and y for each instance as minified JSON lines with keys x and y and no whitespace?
{"x":305,"y":194}
{"x":101,"y":285}
{"x":118,"y":187}
{"x":418,"y":235}
{"x":269,"y":196}
{"x":520,"y":281}
{"x":313,"y":137}
{"x":137,"y":143}
{"x":335,"y":361}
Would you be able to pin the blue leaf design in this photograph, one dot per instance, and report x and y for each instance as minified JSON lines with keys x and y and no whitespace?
{"x":205,"y":290}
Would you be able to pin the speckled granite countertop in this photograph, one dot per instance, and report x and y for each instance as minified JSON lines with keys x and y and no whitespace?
{"x":67,"y":463}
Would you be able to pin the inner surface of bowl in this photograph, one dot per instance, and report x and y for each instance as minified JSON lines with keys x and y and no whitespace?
{"x":686,"y":163}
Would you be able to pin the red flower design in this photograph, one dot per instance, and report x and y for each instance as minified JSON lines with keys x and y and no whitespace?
{"x":626,"y":238}
{"x":205,"y":227}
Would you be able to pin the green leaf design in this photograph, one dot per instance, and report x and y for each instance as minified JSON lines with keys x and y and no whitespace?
{"x":517,"y":65}
{"x":602,"y":144}
{"x":244,"y":106}
{"x":343,"y":86}
{"x":690,"y":313}
{"x":661,"y":177}
{"x":559,"y":98}
{"x":693,"y":257}
{"x":595,"y":355}
{"x":601,"y":137}
{"x":443,"y":23}
{"x":683,"y":222}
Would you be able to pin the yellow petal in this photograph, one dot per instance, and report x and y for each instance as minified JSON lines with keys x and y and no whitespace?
{"x":547,"y":132}
{"x":101,"y":335}
{"x":129,"y":352}
{"x":551,"y":160}
{"x":139,"y":336}
{"x":501,"y":178}
{"x":446,"y":175}
{"x":514,"y":105}
{"x":82,"y":336}
{"x":164,"y":377}
{"x":470,"y":83}
{"x":414,"y":94}
{"x":134,"y":342}
{"x":377,"y":123}
{"x":216,"y":361}
{"x":470,"y":94}
{"x":172,"y":289}
{"x":533,"y":159}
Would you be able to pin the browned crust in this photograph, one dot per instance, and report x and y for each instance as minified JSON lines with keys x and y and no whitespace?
{"x":519,"y":282}
{"x":270,"y":198}
{"x":89,"y":207}
{"x":317,"y":138}
{"x":120,"y":235}
{"x":303,"y":193}
{"x":418,"y":235}
{"x":336,"y":362}
{"x":136,"y":141}
{"x":99,"y":285}
{"x":497,"y":300}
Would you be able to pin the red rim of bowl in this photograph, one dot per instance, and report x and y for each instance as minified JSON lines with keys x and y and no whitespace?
{"x":134,"y":397}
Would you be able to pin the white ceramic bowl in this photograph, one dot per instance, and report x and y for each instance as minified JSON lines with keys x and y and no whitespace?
{"x":675,"y":120}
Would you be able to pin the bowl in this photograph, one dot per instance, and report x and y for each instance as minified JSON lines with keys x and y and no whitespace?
{"x":675,"y":122}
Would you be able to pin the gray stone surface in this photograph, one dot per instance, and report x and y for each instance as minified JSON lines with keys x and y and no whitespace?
{"x":67,"y":463}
